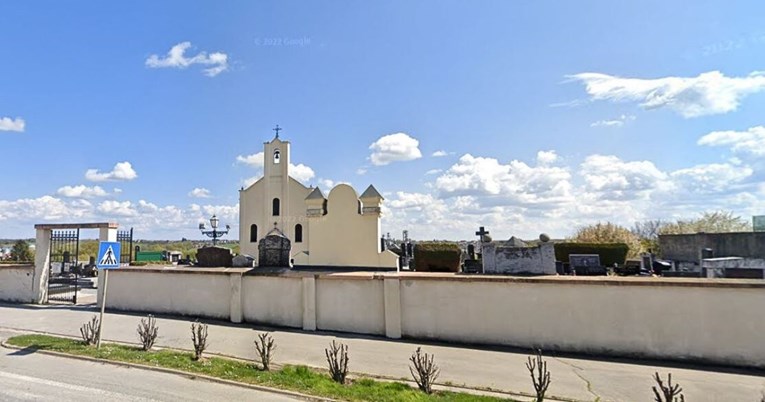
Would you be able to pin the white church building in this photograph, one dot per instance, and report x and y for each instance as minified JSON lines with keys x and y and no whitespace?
{"x":339,"y":230}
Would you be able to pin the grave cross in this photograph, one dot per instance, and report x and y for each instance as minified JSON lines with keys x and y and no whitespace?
{"x":481,"y":232}
{"x":277,"y":129}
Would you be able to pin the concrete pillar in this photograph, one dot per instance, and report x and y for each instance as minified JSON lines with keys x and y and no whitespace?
{"x":42,"y":263}
{"x":107,"y":234}
{"x":309,"y":303}
{"x":392,"y":296}
{"x":236,"y":298}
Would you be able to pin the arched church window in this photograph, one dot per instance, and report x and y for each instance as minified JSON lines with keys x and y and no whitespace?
{"x":253,"y":233}
{"x":277,"y":156}
{"x":275,"y":207}
{"x":298,"y":233}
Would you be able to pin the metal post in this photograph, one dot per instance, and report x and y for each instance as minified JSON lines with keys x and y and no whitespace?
{"x":103,"y":306}
{"x":77,"y":270}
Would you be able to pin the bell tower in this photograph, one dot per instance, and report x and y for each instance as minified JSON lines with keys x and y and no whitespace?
{"x":276,"y":161}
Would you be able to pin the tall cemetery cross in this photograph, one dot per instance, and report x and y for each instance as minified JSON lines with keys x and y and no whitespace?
{"x":481,"y":232}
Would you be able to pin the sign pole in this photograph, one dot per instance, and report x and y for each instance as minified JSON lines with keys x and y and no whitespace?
{"x":103,"y":307}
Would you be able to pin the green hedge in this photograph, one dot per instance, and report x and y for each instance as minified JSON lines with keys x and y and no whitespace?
{"x":610,"y":253}
{"x":437,"y":257}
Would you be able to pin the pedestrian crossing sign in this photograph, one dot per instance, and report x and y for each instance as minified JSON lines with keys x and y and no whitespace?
{"x":108,"y":255}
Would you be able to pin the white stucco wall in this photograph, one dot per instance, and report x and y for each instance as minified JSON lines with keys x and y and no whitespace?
{"x":198,"y":293}
{"x":273,"y":300}
{"x":717,"y":321}
{"x":350,"y":305}
{"x":17,"y":283}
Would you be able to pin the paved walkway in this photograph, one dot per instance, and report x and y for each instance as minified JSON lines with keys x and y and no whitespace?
{"x":576,"y":378}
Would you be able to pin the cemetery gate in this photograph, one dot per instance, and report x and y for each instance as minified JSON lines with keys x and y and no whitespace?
{"x":64,"y":269}
{"x":125,"y":237}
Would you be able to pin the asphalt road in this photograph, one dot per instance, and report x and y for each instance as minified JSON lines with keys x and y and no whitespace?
{"x":28,"y":376}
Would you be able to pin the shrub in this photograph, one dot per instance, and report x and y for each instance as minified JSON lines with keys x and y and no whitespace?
{"x":148,"y":331}
{"x":669,"y":392}
{"x":265,"y":347}
{"x":437,"y":256}
{"x":337,"y":358}
{"x":610,"y":253}
{"x":199,"y":338}
{"x":540,"y":376}
{"x":89,"y":331}
{"x":424,"y":372}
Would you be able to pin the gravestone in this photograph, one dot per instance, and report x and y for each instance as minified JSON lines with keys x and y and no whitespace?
{"x":274,"y":250}
{"x":243,"y":261}
{"x":214,"y":257}
{"x":514,"y":257}
{"x":586,"y":264}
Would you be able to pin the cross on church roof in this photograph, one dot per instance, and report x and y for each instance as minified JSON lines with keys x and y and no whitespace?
{"x":277,"y":129}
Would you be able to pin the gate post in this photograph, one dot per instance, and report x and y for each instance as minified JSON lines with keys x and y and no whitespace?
{"x":42,"y":263}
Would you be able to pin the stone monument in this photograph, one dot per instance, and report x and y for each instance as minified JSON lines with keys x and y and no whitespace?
{"x":274,"y":250}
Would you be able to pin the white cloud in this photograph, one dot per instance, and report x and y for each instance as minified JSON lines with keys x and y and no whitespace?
{"x":301,"y":172}
{"x":122,"y":171}
{"x":199,"y":192}
{"x":440,"y":153}
{"x":434,"y":171}
{"x":515,"y":182}
{"x":255,"y":160}
{"x":713,"y":177}
{"x":8,"y":124}
{"x":119,"y":208}
{"x":706,"y":94}
{"x":394,"y":148}
{"x":546,"y":157}
{"x":415,"y":201}
{"x":81,"y":191}
{"x":42,"y":208}
{"x":361,"y":171}
{"x":618,"y":122}
{"x":176,"y":58}
{"x":751,"y":141}
{"x":613,"y":178}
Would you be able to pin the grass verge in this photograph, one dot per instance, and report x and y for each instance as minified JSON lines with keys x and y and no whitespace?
{"x":293,"y":378}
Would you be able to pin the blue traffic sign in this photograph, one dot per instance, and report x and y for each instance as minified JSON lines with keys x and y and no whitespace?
{"x":108,"y":255}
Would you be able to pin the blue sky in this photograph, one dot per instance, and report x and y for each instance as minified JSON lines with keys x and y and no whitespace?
{"x":550,"y":115}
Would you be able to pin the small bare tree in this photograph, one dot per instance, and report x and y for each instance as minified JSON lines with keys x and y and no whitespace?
{"x":265,"y":347}
{"x":423,"y":370}
{"x":199,"y":337}
{"x":337,"y":358}
{"x":669,"y":392}
{"x":148,"y":331}
{"x":540,"y":376}
{"x":89,"y":331}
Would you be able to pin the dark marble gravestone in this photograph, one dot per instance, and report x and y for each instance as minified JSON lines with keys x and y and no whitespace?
{"x":274,"y":250}
{"x":214,"y":257}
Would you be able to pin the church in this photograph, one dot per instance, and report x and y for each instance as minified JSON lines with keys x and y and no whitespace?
{"x":339,"y":230}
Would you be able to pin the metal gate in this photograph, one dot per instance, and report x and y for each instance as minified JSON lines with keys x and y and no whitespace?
{"x":125,"y":237}
{"x":64,"y":269}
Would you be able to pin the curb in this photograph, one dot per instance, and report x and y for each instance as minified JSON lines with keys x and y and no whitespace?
{"x":351,"y":374}
{"x":186,"y":374}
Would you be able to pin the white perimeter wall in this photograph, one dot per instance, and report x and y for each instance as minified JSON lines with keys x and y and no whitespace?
{"x":719,"y":321}
{"x":17,"y":283}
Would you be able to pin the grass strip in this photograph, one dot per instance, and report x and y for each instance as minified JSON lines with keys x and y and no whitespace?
{"x":294,"y":378}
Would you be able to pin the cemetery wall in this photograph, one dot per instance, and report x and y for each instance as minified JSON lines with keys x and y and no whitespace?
{"x":17,"y":283}
{"x":711,"y":320}
{"x":686,"y":247}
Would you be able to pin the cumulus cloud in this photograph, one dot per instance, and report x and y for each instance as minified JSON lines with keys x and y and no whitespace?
{"x":706,"y":94}
{"x":441,"y":153}
{"x":176,"y":58}
{"x":751,"y":141}
{"x":8,"y":124}
{"x":434,"y":171}
{"x":42,"y":208}
{"x":301,"y":172}
{"x":546,"y":157}
{"x":394,"y":148}
{"x":618,"y":122}
{"x":81,"y":191}
{"x":119,"y":208}
{"x":415,"y":201}
{"x":255,"y":160}
{"x":515,"y":181}
{"x":613,"y":178}
{"x":710,"y":178}
{"x":123,"y":171}
{"x":199,"y":192}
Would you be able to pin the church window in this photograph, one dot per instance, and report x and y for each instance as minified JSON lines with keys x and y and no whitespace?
{"x":275,"y":207}
{"x":253,"y":233}
{"x":277,"y":157}
{"x":298,"y":233}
